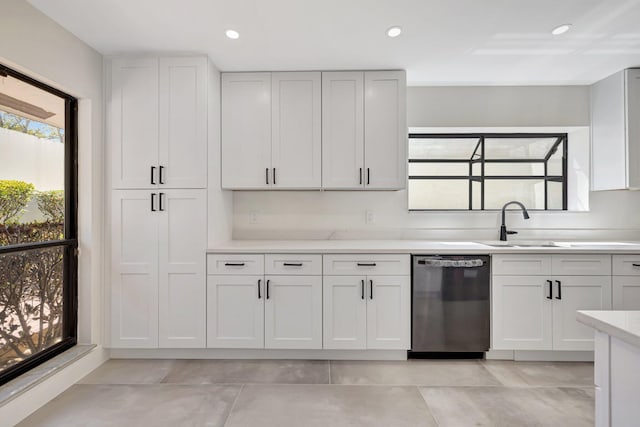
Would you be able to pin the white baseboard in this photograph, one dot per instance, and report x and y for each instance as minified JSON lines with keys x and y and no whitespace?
{"x":28,"y":402}
{"x":499,"y":355}
{"x":214,"y":353}
{"x":555,"y":356}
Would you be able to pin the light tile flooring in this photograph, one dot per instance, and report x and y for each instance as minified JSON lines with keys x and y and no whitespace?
{"x":321,"y":393}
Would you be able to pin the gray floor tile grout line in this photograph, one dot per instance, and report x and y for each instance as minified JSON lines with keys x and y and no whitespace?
{"x":426,"y":404}
{"x":233,"y":405}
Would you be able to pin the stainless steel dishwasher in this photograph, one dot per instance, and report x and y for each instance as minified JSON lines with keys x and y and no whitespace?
{"x":450,"y":305}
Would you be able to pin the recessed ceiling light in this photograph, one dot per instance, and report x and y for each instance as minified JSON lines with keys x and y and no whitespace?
{"x":394,"y":31}
{"x":561,"y":29}
{"x":232,"y":34}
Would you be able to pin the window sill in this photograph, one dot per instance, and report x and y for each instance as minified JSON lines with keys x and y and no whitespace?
{"x":30,"y":379}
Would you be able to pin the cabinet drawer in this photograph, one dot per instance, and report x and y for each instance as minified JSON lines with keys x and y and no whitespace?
{"x":521,"y":265}
{"x":360,"y":264}
{"x":235,"y":264}
{"x":294,"y":264}
{"x":626,"y":265}
{"x":581,"y":265}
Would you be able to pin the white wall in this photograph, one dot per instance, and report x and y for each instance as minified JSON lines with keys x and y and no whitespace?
{"x":32,"y":43}
{"x":611,"y":215}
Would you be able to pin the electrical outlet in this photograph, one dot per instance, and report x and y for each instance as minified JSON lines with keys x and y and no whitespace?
{"x":370,"y":217}
{"x":254,"y":217}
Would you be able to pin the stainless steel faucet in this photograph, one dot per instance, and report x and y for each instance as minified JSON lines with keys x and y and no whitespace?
{"x":503,"y":227}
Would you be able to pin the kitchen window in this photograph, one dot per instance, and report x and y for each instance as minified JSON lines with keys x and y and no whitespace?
{"x":38,"y":231}
{"x":483,"y":171}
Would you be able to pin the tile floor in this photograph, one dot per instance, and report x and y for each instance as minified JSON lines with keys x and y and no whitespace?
{"x":321,"y":393}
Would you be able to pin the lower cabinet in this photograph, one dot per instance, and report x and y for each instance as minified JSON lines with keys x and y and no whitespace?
{"x":367,"y":312}
{"x":538,"y":312}
{"x":626,"y":292}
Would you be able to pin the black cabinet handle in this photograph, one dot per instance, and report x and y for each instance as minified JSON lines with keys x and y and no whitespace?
{"x":259,"y":281}
{"x":362,"y":289}
{"x":267,"y":284}
{"x":153,"y":202}
{"x":550,"y":296}
{"x":274,"y":176}
{"x":366,"y":264}
{"x":161,"y":198}
{"x":153,"y":173}
{"x":370,"y":289}
{"x":160,"y":175}
{"x":292,"y":264}
{"x":234,"y":264}
{"x":368,"y":176}
{"x":636,"y":265}
{"x":266,"y":175}
{"x":559,"y":283}
{"x":360,"y":176}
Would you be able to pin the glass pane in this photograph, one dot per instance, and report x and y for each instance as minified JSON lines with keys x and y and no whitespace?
{"x":31,"y":163}
{"x":30,"y":303}
{"x":514,"y":169}
{"x":446,"y":148}
{"x":436,"y":169}
{"x":518,"y":148}
{"x":554,"y":164}
{"x":439,"y":194}
{"x":530,"y":192}
{"x":555,"y":195}
{"x":476,"y":192}
{"x":476,"y":169}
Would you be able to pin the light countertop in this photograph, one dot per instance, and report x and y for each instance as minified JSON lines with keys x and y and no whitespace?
{"x":624,"y":325}
{"x":414,"y":247}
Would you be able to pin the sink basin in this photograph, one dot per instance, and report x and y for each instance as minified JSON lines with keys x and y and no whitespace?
{"x":523,"y":244}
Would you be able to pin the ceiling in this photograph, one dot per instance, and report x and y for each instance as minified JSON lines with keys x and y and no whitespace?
{"x":444,"y":42}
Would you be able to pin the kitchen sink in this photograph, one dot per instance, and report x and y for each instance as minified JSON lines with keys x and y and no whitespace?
{"x":523,"y":244}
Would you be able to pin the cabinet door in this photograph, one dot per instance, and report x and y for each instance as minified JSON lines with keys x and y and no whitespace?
{"x":134,"y":270}
{"x":246,"y":130}
{"x":134,"y":122}
{"x":633,"y":127}
{"x":296,"y":133}
{"x":183,"y":123}
{"x":235,"y":311}
{"x":388,"y":312}
{"x":522,"y":314}
{"x":572,"y":293}
{"x":293,"y":312}
{"x":182,"y":287}
{"x":626,"y":292}
{"x":345,"y":312}
{"x":385,"y":130}
{"x":343,"y":130}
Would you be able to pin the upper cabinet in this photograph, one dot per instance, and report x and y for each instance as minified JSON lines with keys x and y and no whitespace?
{"x":312,"y":130}
{"x":158,"y":122}
{"x":615,"y":132}
{"x":364,"y":130}
{"x":271,"y":130}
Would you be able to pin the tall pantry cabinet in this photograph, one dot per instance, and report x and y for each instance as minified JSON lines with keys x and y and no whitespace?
{"x":157,"y":132}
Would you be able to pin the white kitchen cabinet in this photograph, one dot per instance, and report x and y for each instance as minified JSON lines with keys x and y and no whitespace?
{"x":364,"y":130}
{"x":134,"y":122}
{"x":389,"y":312}
{"x":158,"y":268}
{"x":536,"y":311}
{"x":296,"y":130}
{"x":246,"y":130}
{"x":293,"y":312}
{"x":626,"y":292}
{"x":158,"y":122}
{"x":343,"y":130}
{"x":385,"y":130}
{"x":345,"y":312}
{"x":615,"y":132}
{"x":235,"y":311}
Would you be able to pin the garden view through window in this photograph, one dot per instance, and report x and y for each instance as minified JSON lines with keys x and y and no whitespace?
{"x":485,"y":171}
{"x":37,"y":223}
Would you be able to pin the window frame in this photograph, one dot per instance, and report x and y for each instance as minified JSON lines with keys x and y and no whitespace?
{"x":561,"y":138}
{"x":70,"y":241}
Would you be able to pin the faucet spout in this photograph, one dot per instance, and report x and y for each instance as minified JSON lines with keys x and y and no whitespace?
{"x":503,"y":228}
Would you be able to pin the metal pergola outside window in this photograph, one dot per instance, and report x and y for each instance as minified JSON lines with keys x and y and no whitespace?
{"x":478,"y":157}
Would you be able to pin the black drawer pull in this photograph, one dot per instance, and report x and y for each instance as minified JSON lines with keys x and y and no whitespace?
{"x":234,"y":264}
{"x":366,"y":264}
{"x":259,"y":281}
{"x":161,"y":198}
{"x":550,"y":296}
{"x":362,"y":288}
{"x":153,"y":172}
{"x":292,"y":264}
{"x":268,"y":288}
{"x":161,"y":175}
{"x":266,"y":175}
{"x":360,"y":176}
{"x":153,"y":202}
{"x":370,"y":289}
{"x":636,"y":265}
{"x":559,"y":283}
{"x":368,"y":176}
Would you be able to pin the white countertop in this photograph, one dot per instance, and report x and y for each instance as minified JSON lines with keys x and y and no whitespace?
{"x":624,"y":325}
{"x":412,"y":246}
